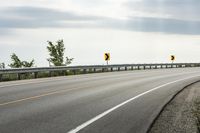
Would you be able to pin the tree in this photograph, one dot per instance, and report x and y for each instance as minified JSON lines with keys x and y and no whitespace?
{"x":56,"y":52}
{"x":17,"y":63}
{"x":2,"y":65}
{"x":28,"y":64}
{"x":69,"y":60}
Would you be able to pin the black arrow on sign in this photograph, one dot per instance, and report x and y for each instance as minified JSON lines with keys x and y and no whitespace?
{"x":107,"y":56}
{"x":172,"y":57}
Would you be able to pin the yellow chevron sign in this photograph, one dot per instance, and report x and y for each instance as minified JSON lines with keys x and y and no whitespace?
{"x":172,"y":57}
{"x":107,"y":56}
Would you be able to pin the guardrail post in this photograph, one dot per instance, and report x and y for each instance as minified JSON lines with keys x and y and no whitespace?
{"x":19,"y":76}
{"x":74,"y":72}
{"x":131,"y":67}
{"x":125,"y":68}
{"x":118,"y":68}
{"x":1,"y":77}
{"x":50,"y":73}
{"x":84,"y":71}
{"x":111,"y":69}
{"x":35,"y":75}
{"x":64,"y":72}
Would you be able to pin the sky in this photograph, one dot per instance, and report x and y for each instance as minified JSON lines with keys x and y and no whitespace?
{"x":132,"y":31}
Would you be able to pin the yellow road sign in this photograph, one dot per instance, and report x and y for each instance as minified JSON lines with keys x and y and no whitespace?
{"x":172,"y":57}
{"x":107,"y":56}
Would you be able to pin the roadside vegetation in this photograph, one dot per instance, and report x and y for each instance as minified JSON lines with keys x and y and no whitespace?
{"x":56,"y":58}
{"x":56,"y":52}
{"x":2,"y":65}
{"x":17,"y":63}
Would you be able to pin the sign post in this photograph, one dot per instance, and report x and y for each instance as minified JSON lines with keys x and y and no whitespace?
{"x":107,"y":57}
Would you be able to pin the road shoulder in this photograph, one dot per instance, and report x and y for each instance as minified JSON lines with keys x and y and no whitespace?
{"x":181,"y":114}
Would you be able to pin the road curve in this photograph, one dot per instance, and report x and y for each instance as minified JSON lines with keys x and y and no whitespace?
{"x":115,"y":102}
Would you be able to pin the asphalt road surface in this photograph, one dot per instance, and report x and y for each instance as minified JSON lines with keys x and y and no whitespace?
{"x":116,"y":102}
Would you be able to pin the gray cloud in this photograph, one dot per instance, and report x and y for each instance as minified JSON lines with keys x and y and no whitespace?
{"x":169,"y":26}
{"x":182,"y":9}
{"x":5,"y":32}
{"x":34,"y":17}
{"x":46,"y":14}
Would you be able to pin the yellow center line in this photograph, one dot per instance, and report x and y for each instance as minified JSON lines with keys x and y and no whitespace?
{"x":35,"y":97}
{"x":31,"y":82}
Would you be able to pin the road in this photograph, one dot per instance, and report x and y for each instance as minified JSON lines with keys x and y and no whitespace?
{"x":115,"y":102}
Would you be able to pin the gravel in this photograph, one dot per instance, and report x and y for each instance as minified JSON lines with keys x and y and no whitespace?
{"x":180,"y":115}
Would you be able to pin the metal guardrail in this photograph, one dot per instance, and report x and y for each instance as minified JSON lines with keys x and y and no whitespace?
{"x":94,"y":68}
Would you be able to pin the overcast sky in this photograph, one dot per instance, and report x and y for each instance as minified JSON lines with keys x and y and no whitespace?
{"x":132,"y":31}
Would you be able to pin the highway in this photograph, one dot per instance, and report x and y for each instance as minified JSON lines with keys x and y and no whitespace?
{"x":113,"y":102}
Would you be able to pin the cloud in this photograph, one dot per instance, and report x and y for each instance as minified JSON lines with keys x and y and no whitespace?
{"x":39,"y":17}
{"x":177,"y":9}
{"x":6,"y":32}
{"x":35,"y":17}
{"x":46,"y":14}
{"x":168,"y":26}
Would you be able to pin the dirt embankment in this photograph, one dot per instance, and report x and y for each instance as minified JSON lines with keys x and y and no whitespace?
{"x":182,"y":114}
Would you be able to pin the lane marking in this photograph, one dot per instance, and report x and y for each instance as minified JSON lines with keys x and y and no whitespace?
{"x":33,"y":82}
{"x":46,"y":80}
{"x":36,"y":97}
{"x":48,"y":94}
{"x":87,"y":123}
{"x":50,"y":79}
{"x":26,"y":82}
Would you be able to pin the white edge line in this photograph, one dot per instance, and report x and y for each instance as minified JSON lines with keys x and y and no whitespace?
{"x":80,"y":127}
